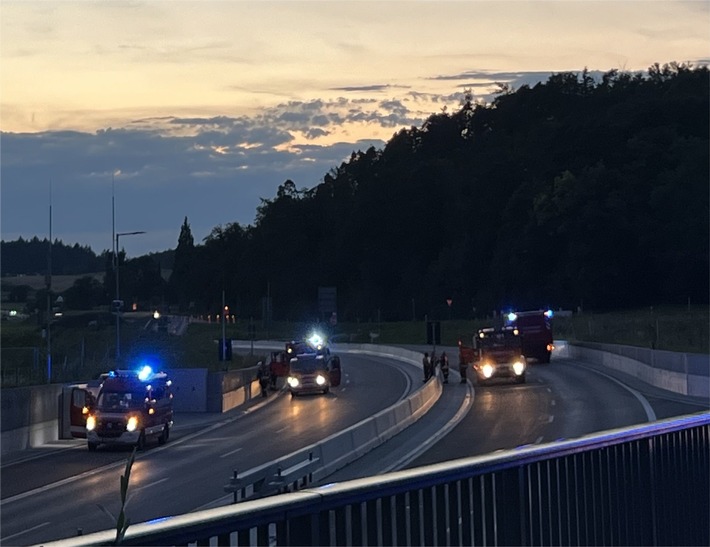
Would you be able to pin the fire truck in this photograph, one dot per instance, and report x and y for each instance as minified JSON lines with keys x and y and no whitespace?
{"x":313,"y":373}
{"x":315,"y":343}
{"x":131,"y":407}
{"x":495,"y":353}
{"x":535,"y":329}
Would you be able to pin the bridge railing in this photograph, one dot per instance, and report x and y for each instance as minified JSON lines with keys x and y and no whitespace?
{"x":640,"y":485}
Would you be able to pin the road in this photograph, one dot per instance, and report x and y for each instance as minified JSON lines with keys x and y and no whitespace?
{"x":51,"y":496}
{"x":562,"y":400}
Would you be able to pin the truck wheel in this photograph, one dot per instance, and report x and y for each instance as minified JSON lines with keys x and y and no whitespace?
{"x":164,"y":435}
{"x":520,"y":379}
{"x":92,"y":447}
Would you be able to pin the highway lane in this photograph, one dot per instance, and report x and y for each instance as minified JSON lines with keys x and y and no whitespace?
{"x":565,"y":399}
{"x":81,"y":489}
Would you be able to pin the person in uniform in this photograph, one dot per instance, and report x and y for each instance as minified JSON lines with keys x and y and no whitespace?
{"x":427,"y":366}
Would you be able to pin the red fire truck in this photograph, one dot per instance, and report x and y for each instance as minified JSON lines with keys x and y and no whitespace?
{"x":535,"y":329}
{"x":495,"y":353}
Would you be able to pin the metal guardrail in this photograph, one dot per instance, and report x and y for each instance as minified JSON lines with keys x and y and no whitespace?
{"x":641,"y":485}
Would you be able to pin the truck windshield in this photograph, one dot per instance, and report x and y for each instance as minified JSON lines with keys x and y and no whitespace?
{"x":307,"y":365}
{"x":528,"y":321}
{"x":120,"y":400}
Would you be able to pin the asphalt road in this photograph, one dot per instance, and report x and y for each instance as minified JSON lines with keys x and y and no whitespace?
{"x":51,"y":496}
{"x":561,"y":400}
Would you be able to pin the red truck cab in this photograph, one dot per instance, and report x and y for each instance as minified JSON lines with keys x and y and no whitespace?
{"x":535,"y":329}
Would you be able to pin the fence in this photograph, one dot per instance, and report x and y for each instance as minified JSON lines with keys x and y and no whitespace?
{"x":645,"y":485}
{"x":21,"y":367}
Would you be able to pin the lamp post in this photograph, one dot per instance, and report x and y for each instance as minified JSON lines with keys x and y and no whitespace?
{"x":117,"y":301}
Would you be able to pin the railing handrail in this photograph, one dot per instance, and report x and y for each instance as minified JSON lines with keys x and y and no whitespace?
{"x":212,"y":522}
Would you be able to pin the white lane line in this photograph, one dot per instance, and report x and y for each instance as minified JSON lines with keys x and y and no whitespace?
{"x":230,"y":453}
{"x":137,"y":488}
{"x":553,"y":402}
{"x":550,"y":419}
{"x":650,"y":413}
{"x":460,"y":414}
{"x":538,"y":440}
{"x":13,"y":536}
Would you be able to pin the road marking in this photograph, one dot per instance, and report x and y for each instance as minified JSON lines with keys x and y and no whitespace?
{"x":553,"y":402}
{"x":230,"y":453}
{"x":650,"y":413}
{"x":8,"y":538}
{"x":550,"y":419}
{"x":538,"y":440}
{"x":137,"y":488}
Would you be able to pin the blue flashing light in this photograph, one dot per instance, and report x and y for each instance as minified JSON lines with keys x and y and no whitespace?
{"x":512,"y":316}
{"x":111,"y":373}
{"x":145,"y":373}
{"x":549,"y":314}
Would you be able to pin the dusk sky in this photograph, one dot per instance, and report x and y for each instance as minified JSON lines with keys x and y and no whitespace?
{"x":198,"y":109}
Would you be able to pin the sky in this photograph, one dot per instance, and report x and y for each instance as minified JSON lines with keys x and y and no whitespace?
{"x":122,"y":116}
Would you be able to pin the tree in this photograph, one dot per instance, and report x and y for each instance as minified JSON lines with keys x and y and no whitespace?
{"x":181,"y":277}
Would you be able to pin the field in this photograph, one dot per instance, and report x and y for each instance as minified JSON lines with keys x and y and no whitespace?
{"x":84,"y":344}
{"x":60,"y":283}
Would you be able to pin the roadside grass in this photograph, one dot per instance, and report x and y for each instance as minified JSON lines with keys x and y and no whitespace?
{"x":83,"y":345}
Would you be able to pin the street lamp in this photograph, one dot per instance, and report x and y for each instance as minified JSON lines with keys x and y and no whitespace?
{"x":117,"y":303}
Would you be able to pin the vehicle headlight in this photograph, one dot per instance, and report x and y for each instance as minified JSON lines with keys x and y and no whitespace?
{"x":320,"y":380}
{"x":292,"y":381}
{"x":90,"y":423}
{"x":487,"y":370}
{"x":132,"y":424}
{"x":518,"y":367}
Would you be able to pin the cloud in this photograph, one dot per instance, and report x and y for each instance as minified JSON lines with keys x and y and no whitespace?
{"x":369,"y":88}
{"x":213,"y":169}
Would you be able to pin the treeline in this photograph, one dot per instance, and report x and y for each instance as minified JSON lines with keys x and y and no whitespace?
{"x":574,"y":192}
{"x":31,"y":256}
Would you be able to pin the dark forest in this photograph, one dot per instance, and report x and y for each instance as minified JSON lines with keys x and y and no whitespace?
{"x":572,"y":193}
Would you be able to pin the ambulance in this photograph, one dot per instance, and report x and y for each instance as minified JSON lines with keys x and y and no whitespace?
{"x":132,"y":407}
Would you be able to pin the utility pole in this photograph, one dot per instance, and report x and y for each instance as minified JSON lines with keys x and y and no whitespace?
{"x":117,"y":302}
{"x":224,"y":329}
{"x":49,"y":291}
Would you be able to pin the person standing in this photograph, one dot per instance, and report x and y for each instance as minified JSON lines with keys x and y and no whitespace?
{"x":462,"y":369}
{"x":444,"y":363}
{"x":427,"y":366}
{"x":264,"y":377}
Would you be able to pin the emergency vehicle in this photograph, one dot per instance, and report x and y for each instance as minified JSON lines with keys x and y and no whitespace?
{"x":495,"y":353}
{"x":535,"y":328}
{"x":278,"y":363}
{"x":315,"y":343}
{"x":79,"y":398}
{"x":131,"y":407}
{"x":313,"y":373}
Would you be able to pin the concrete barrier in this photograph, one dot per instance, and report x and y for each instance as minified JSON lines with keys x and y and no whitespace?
{"x":340,"y":449}
{"x":683,"y":373}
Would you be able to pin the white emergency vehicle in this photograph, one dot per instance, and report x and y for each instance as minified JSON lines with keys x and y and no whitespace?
{"x":131,"y":407}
